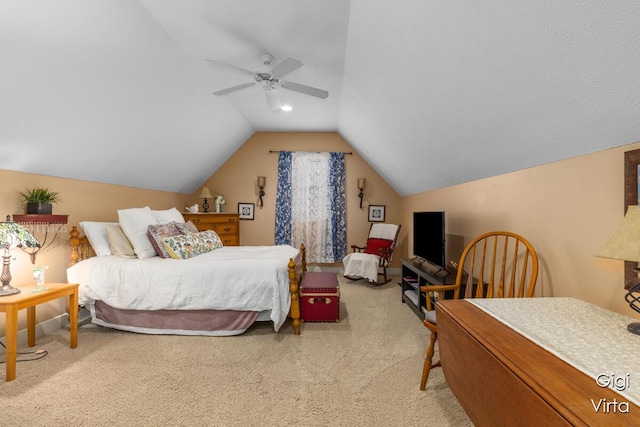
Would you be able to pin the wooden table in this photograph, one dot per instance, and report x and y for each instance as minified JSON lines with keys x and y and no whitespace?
{"x":502,"y":378}
{"x":29,"y":300}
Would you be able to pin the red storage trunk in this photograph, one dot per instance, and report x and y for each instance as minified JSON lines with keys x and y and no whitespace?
{"x":320,"y":297}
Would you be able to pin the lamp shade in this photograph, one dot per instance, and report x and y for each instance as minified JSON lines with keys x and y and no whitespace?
{"x":14,"y":235}
{"x":262,"y":181}
{"x":206,"y":194}
{"x":361,"y":183}
{"x":625,"y":242}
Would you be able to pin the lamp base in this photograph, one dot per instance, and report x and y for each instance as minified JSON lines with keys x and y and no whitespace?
{"x":634,"y":328}
{"x":6,"y":290}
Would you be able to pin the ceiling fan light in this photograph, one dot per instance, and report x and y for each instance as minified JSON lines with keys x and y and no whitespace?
{"x":273,"y":100}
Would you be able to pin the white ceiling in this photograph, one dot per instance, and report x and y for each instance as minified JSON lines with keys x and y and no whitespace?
{"x":430,"y":93}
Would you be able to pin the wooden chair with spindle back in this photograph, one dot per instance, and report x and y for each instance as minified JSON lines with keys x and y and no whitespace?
{"x":497,"y":264}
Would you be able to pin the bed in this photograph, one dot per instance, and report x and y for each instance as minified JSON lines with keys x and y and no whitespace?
{"x":218,"y":293}
{"x":501,"y":377}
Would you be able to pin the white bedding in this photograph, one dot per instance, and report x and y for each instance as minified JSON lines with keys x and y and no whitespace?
{"x":253,"y":278}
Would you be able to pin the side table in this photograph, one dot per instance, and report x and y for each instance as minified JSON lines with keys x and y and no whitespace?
{"x":29,"y":299}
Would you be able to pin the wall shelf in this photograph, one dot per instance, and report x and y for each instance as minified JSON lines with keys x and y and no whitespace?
{"x":47,"y":225}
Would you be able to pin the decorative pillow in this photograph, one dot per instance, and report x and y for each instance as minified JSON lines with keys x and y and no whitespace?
{"x":120,"y":245}
{"x":96,"y":232}
{"x":186,"y":246}
{"x":186,"y":227}
{"x":157,"y":233}
{"x":168,"y":215}
{"x":375,"y":246}
{"x":134,"y":223}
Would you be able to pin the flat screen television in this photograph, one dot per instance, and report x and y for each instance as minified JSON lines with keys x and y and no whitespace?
{"x":429,"y":237}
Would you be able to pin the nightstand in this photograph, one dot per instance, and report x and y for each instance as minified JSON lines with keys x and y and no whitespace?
{"x":29,"y":299}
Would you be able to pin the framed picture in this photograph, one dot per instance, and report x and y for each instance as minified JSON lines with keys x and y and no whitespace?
{"x":631,"y":197}
{"x":246,"y":210}
{"x":376,"y":213}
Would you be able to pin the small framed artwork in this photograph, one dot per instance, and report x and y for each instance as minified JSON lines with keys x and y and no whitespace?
{"x":246,"y":210}
{"x":631,"y":197}
{"x":376,"y":213}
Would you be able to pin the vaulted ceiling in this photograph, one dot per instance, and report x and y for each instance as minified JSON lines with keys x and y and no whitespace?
{"x":430,"y":93}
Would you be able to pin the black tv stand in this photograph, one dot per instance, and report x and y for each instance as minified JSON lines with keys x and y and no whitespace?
{"x":417,"y":274}
{"x":443,"y":272}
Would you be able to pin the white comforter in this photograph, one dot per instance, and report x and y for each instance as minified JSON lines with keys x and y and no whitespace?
{"x":252,"y":278}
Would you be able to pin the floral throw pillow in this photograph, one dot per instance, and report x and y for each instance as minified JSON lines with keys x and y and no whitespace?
{"x":157,"y":233}
{"x":186,"y":227}
{"x":185,"y":246}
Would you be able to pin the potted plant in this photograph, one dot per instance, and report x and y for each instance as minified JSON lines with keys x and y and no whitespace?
{"x":39,"y":200}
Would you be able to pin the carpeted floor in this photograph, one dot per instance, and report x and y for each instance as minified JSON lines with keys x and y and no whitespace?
{"x":362,"y":371}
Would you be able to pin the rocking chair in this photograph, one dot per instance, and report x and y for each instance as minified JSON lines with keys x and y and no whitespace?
{"x":371,"y":260}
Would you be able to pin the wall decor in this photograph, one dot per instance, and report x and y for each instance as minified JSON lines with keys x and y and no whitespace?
{"x":246,"y":210}
{"x":376,"y":213}
{"x":631,"y":173}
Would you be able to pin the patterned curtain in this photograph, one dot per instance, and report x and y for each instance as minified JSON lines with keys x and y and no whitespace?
{"x":338,"y":206}
{"x":310,"y":205}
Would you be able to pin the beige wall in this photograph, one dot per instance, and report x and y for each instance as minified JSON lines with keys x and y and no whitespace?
{"x":237,"y":180}
{"x":81,"y":200}
{"x":568,"y":210}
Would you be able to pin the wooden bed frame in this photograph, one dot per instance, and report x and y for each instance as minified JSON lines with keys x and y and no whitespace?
{"x":502,"y":378}
{"x":80,"y":249}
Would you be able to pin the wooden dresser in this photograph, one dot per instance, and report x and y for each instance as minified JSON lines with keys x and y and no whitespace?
{"x":227,"y":225}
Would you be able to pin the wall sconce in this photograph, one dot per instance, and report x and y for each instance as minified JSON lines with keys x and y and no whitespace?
{"x":261,"y":182}
{"x":361,"y":184}
{"x":205,"y":194}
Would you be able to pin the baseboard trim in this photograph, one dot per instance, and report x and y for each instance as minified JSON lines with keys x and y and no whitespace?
{"x":42,"y":329}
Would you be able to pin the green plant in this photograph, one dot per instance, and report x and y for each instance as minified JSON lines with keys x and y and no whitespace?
{"x":39,"y":195}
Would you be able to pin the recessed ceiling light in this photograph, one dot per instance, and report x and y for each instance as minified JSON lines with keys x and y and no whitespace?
{"x":287,"y":108}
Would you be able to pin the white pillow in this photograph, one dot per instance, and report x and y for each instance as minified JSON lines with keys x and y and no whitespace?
{"x":134,"y":223}
{"x":169,"y":215}
{"x":96,"y":232}
{"x":120,"y":245}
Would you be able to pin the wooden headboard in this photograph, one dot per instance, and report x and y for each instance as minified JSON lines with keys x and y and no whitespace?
{"x":80,"y":247}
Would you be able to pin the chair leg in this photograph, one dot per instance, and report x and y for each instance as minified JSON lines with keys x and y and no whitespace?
{"x":384,"y":277}
{"x":428,"y":360}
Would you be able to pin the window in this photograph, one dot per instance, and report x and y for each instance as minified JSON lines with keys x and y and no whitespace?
{"x":310,"y":205}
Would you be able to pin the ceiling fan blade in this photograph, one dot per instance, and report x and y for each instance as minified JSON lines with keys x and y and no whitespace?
{"x":285,"y":67}
{"x":307,"y":90}
{"x":231,"y":67}
{"x":233,"y":88}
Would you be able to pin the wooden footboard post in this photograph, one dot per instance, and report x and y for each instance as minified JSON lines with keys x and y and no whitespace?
{"x":294,"y":285}
{"x":74,"y":242}
{"x":295,"y":299}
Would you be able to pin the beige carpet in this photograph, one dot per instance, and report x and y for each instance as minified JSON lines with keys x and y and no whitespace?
{"x":362,"y":371}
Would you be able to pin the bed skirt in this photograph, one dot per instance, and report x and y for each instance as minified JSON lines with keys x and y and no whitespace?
{"x":174,"y":322}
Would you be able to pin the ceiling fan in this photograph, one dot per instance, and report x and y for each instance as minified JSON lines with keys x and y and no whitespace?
{"x":271,"y":80}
